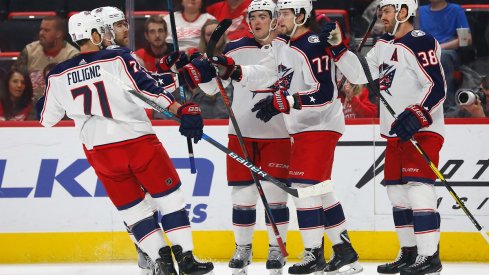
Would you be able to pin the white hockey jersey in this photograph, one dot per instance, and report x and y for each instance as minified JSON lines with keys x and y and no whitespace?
{"x":247,"y":51}
{"x":409,"y":72}
{"x":188,"y":33}
{"x":92,"y":89}
{"x":301,"y":66}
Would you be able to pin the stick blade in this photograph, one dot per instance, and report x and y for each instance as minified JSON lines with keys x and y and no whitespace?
{"x":216,"y":35}
{"x":316,"y":190}
{"x":484,"y":234}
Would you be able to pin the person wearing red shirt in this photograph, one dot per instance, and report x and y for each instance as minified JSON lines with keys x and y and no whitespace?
{"x":236,"y":10}
{"x":155,"y":32}
{"x":356,"y":103}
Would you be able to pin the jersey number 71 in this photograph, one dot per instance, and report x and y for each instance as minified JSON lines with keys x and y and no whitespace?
{"x":86,"y":92}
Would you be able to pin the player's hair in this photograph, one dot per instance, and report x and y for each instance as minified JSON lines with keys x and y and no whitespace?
{"x":485,"y":82}
{"x":156,"y":19}
{"x":85,"y":41}
{"x":10,"y":108}
{"x":311,"y":22}
{"x":411,"y":18}
{"x":59,"y":23}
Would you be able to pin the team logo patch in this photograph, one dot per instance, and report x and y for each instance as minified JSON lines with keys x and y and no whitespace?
{"x":313,"y":39}
{"x":386,"y":73}
{"x":283,"y":83}
{"x":417,"y":33}
{"x":285,"y":78}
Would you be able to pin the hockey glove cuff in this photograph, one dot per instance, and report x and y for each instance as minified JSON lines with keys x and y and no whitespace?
{"x":199,"y":70}
{"x":172,"y":62}
{"x":332,"y":38}
{"x":410,"y":121}
{"x":279,"y":102}
{"x":191,"y":123}
{"x":227,"y":67}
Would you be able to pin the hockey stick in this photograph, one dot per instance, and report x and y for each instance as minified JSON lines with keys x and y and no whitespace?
{"x":314,"y":190}
{"x":375,"y":89}
{"x":180,"y":87}
{"x":211,"y":45}
{"x":360,"y":46}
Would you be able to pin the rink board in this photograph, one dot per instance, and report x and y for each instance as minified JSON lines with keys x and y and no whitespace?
{"x":53,"y":208}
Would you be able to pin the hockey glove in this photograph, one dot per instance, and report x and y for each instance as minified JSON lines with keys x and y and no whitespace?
{"x":332,"y":38}
{"x":279,"y":102}
{"x":227,"y":67}
{"x":172,"y":62}
{"x":191,"y":123}
{"x":199,"y":70}
{"x":408,"y":123}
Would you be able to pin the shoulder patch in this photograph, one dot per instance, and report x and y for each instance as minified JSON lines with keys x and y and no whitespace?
{"x":112,"y":47}
{"x":313,"y":39}
{"x":417,"y":33}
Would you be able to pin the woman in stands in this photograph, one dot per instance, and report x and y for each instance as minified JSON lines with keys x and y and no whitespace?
{"x":189,"y":21}
{"x":16,"y":97}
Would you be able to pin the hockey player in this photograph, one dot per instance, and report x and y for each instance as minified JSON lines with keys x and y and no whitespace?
{"x":116,"y":27}
{"x":116,"y":34}
{"x":406,"y":63}
{"x":302,"y":75}
{"x":267,"y":144}
{"x":119,"y":142}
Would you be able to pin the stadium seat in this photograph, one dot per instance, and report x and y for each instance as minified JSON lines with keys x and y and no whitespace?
{"x":139,"y":19}
{"x":6,"y":61}
{"x":336,"y":15}
{"x":477,"y":13}
{"x":21,"y":28}
{"x":3,"y":9}
{"x":58,"y":6}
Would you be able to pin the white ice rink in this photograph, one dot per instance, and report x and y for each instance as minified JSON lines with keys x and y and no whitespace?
{"x":130,"y":268}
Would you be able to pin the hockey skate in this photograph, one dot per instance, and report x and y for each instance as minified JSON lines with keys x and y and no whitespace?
{"x":241,"y":260}
{"x":145,"y":263}
{"x":424,"y":265}
{"x":406,"y":257}
{"x":188,"y":264}
{"x":275,"y":260}
{"x":164,"y":265}
{"x":344,"y":259}
{"x":312,"y":263}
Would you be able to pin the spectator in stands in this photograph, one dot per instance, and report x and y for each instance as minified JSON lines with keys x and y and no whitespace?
{"x":189,"y":21}
{"x":480,"y":108}
{"x":50,"y":48}
{"x":441,"y":19}
{"x":356,"y":103}
{"x":155,"y":32}
{"x":212,"y":106}
{"x":235,"y":10}
{"x":16,"y":97}
{"x":47,"y":69}
{"x":205,"y":35}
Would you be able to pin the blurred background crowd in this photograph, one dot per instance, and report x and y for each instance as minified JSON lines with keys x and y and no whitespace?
{"x":33,"y":39}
